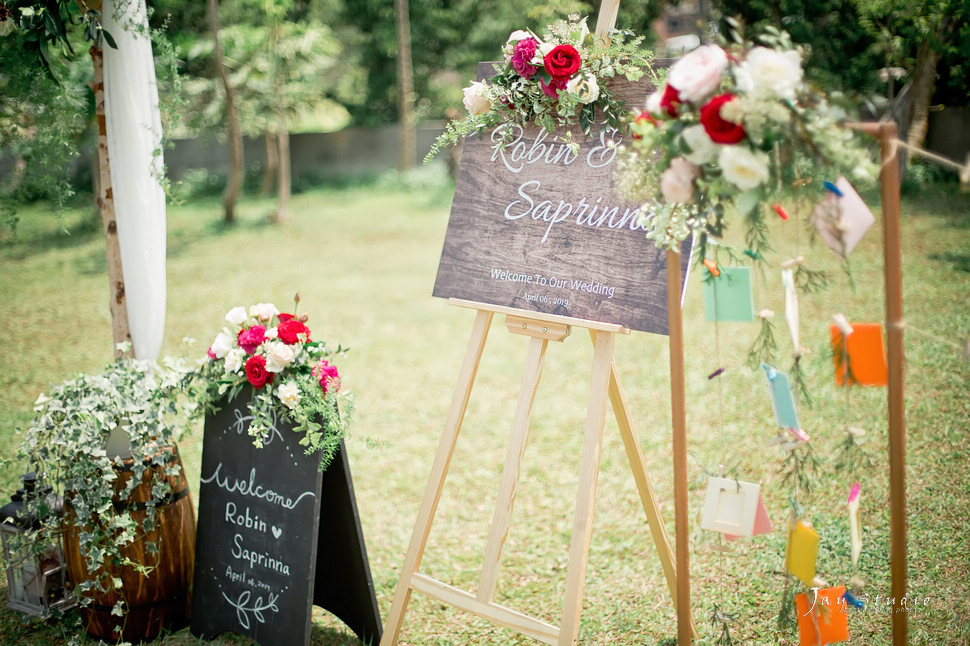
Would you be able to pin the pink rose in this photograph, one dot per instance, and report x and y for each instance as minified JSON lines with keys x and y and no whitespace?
{"x":554,"y":86}
{"x":698,"y":74}
{"x":256,"y":372}
{"x":677,"y":182}
{"x":522,"y":54}
{"x":327,"y":375}
{"x":251,"y":338}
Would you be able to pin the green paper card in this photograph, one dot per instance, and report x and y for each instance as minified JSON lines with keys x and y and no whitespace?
{"x":727,"y":297}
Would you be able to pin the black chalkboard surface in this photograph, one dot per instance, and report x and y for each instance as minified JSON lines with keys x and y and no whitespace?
{"x":259,"y":535}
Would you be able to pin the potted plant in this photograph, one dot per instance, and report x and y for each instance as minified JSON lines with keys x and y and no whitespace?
{"x":107,"y":443}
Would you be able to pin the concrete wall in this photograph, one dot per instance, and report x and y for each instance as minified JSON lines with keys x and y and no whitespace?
{"x":352,"y":152}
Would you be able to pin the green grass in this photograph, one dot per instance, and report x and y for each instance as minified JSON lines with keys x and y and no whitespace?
{"x":364,"y":262}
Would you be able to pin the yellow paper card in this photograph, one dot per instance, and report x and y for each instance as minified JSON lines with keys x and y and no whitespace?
{"x":801,"y":554}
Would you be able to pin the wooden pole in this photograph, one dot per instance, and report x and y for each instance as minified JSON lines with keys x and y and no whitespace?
{"x":678,"y":412}
{"x":887,"y":134}
{"x":116,"y":300}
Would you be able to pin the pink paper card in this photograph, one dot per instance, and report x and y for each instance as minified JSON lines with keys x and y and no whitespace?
{"x":842,"y":220}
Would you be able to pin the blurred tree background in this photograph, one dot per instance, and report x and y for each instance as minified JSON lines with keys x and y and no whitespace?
{"x":322,"y":65}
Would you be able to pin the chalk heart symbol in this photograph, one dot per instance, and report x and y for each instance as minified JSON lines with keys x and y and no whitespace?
{"x":276,"y":531}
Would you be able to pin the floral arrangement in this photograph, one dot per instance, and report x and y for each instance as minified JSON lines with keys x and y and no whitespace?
{"x":731,"y":130}
{"x":290,"y":374}
{"x":555,"y":81}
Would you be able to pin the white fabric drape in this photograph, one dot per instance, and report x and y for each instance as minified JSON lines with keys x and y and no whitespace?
{"x":134,"y":144}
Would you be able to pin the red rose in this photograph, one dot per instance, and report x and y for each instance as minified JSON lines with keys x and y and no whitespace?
{"x":670,"y":100}
{"x":562,"y":62}
{"x":292,"y":331}
{"x":256,"y":371}
{"x":719,"y":129}
{"x":251,"y":338}
{"x":284,"y":317}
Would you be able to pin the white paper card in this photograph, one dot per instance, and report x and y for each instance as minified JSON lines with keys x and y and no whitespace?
{"x":730,"y":506}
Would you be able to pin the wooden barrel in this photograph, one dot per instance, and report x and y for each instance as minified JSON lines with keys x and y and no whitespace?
{"x":161,"y":600}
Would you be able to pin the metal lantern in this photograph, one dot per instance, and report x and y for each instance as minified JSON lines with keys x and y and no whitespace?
{"x":36,"y":582}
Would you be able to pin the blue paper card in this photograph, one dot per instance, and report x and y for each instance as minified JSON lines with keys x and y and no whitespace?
{"x":782,"y":400}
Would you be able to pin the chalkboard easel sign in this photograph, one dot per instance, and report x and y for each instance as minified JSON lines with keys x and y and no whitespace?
{"x":275,"y":537}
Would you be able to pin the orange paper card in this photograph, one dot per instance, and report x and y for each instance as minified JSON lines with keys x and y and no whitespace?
{"x":827,"y":622}
{"x":859,"y":357}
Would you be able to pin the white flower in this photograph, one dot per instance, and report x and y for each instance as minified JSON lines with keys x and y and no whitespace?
{"x":289,"y":394}
{"x":702,"y":149}
{"x":272,"y":333}
{"x":677,"y":182}
{"x":7,"y":26}
{"x":263,"y":311}
{"x":236,"y":316}
{"x":279,"y":356}
{"x":584,"y":87}
{"x":235,"y":359}
{"x":222,"y":344}
{"x":697,"y":74}
{"x":516,"y":36}
{"x":476,"y":98}
{"x":770,"y":72}
{"x":653,"y":104}
{"x":743,"y":167}
{"x":545,"y":48}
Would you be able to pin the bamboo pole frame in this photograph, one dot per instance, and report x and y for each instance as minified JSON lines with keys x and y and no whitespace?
{"x":886,"y":133}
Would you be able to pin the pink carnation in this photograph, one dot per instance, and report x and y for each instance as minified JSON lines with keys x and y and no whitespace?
{"x":522,"y":53}
{"x":251,"y":338}
{"x":327,"y":375}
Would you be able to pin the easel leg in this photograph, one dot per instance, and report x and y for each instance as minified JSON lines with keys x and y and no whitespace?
{"x":634,"y":453}
{"x":432,"y":493}
{"x":586,"y":494}
{"x":502,"y":518}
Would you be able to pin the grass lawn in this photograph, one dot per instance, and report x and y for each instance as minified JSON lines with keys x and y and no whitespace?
{"x":364,"y":262}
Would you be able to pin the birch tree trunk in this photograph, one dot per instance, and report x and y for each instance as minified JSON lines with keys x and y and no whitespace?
{"x":105,"y":200}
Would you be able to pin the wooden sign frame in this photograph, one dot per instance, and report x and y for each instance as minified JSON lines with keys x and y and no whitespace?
{"x":541,"y":327}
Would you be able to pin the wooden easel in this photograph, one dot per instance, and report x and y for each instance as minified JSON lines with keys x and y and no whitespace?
{"x":604,"y":384}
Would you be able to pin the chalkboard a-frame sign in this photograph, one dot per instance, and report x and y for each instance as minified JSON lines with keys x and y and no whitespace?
{"x":536,"y":227}
{"x":275,"y":537}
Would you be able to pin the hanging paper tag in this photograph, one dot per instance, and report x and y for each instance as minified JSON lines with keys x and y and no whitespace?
{"x":842,"y":218}
{"x":782,"y":400}
{"x":735,"y":508}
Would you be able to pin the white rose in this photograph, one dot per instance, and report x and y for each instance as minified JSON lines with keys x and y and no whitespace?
{"x":697,"y":74}
{"x":279,"y":356}
{"x":222,"y":344}
{"x":743,"y":167}
{"x":236,"y":316}
{"x":289,"y":394}
{"x":516,"y":36}
{"x":702,"y":149}
{"x":545,"y":48}
{"x":771,"y":73}
{"x":476,"y":98}
{"x":235,"y":359}
{"x":263,"y":311}
{"x":583,"y":87}
{"x":653,"y":104}
{"x":677,"y":182}
{"x":272,"y":333}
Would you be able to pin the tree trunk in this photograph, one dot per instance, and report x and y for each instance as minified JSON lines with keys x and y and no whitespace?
{"x":233,"y":131}
{"x":405,"y":82}
{"x":117,"y":304}
{"x":272,"y":165}
{"x":283,"y":183}
{"x":921,"y":93}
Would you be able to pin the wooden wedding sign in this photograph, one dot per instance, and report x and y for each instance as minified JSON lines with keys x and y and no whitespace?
{"x":538,"y":233}
{"x":538,"y":226}
{"x":276,"y":537}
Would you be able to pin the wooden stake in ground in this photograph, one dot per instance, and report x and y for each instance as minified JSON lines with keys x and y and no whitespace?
{"x":116,"y":301}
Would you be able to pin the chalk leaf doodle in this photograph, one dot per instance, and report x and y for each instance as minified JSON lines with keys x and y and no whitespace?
{"x":242,"y":610}
{"x":241,"y":423}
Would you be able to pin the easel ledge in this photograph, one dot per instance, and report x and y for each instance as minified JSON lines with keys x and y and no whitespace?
{"x":542,"y":317}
